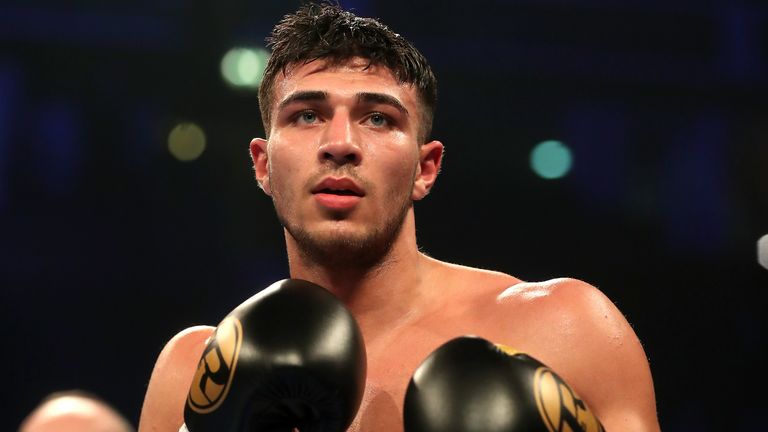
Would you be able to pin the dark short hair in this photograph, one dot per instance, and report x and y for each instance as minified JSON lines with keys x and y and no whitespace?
{"x":326,"y":31}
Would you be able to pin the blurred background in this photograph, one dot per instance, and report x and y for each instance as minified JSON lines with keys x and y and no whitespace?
{"x":623,"y":143}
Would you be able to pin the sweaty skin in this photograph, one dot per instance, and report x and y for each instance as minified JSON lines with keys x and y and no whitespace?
{"x":407,"y":304}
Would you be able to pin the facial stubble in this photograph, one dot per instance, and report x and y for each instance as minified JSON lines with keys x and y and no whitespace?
{"x":350,"y":251}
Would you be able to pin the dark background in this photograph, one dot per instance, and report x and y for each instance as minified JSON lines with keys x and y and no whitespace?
{"x":109,"y":245}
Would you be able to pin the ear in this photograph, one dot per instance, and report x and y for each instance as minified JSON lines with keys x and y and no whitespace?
{"x":260,"y":163}
{"x":430,"y":158}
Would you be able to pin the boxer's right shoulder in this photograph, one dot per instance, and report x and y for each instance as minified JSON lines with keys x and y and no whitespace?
{"x":163,"y":407}
{"x":178,"y":360}
{"x":190,"y":340}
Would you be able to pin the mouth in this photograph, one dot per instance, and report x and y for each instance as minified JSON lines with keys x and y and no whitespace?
{"x":338,"y":194}
{"x":338,"y":186}
{"x":342,"y":192}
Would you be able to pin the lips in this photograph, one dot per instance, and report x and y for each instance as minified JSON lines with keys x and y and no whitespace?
{"x":338,"y":186}
{"x":338,"y":194}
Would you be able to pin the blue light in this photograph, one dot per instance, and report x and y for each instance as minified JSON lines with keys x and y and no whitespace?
{"x":551,"y":159}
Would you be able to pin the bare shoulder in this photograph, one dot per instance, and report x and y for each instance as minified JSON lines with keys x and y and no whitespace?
{"x":566,"y":293}
{"x":163,"y":407}
{"x":566,"y":302}
{"x":574,"y":328}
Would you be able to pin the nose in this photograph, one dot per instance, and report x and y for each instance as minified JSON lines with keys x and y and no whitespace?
{"x":340,"y":142}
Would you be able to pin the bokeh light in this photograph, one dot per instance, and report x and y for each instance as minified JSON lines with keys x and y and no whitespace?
{"x":186,"y":142}
{"x":551,"y":159}
{"x":244,"y":67}
{"x":762,"y":251}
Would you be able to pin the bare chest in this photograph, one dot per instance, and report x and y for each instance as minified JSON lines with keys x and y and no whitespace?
{"x":396,"y":353}
{"x":392,"y":361}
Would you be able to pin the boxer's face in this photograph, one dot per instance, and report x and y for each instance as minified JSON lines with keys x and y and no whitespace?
{"x":343,"y":162}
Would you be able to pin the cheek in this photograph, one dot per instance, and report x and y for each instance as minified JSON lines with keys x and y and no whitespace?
{"x":285,"y":164}
{"x":282,"y":177}
{"x":407,"y":161}
{"x":397,"y":152}
{"x":399,"y":176}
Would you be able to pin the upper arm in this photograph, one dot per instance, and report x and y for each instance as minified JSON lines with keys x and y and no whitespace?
{"x":163,"y":407}
{"x":604,"y":359}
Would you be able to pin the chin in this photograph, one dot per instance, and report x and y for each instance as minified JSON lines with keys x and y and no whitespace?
{"x":343,"y":248}
{"x":338,"y":243}
{"x":344,"y":244}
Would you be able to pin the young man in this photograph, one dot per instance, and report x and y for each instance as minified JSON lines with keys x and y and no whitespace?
{"x":347,"y":108}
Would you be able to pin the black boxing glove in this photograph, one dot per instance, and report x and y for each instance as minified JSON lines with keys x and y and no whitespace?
{"x":291,"y":356}
{"x":472,"y":385}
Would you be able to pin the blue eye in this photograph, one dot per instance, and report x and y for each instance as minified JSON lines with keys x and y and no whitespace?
{"x":378,"y":120}
{"x":308,"y":117}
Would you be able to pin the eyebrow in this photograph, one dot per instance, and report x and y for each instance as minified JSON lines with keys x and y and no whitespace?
{"x":303,"y":96}
{"x":364,"y":97}
{"x":381,"y":98}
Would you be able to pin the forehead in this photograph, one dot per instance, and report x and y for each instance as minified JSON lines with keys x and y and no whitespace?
{"x":343,"y":80}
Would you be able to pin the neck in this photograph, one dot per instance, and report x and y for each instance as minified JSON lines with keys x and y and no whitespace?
{"x":379,"y":295}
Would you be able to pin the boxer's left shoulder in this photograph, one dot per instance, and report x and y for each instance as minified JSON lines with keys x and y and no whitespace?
{"x":570,"y":292}
{"x":559,"y":303}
